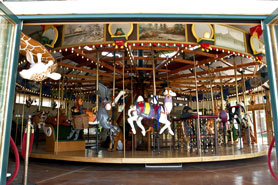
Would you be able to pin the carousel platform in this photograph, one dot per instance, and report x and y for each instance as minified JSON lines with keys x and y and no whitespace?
{"x":233,"y":152}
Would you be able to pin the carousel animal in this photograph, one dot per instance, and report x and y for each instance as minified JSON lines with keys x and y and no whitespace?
{"x":105,"y":104}
{"x":44,"y":67}
{"x":101,"y":116}
{"x":116,"y":141}
{"x":144,"y":110}
{"x":39,"y":120}
{"x":29,"y":102}
{"x":238,"y":114}
{"x":39,"y":71}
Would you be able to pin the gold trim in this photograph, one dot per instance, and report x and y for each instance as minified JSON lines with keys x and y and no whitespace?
{"x":138,"y":33}
{"x":198,"y":40}
{"x":104,"y":32}
{"x":127,"y":35}
{"x":47,"y":27}
{"x":245,"y":42}
{"x":196,"y":36}
{"x":186,"y":33}
{"x":252,"y":45}
{"x":83,"y":44}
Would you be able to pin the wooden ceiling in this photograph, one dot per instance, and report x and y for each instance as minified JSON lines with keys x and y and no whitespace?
{"x":187,"y":69}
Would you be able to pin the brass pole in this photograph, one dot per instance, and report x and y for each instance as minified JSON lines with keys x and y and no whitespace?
{"x":235,"y":71}
{"x":62,"y":90}
{"x":222,"y":95}
{"x":243,"y":89}
{"x":114,"y":75}
{"x":97,"y":98}
{"x":58,"y":121}
{"x":132,"y":103}
{"x":132,"y":98}
{"x":207,"y":102}
{"x":124,"y":102}
{"x":203,"y":102}
{"x":22,"y":120}
{"x":197,"y":103}
{"x":211,"y":94}
{"x":28,"y":133}
{"x":97,"y":81}
{"x":40,"y":100}
{"x":154,"y":85}
{"x":66,"y":103}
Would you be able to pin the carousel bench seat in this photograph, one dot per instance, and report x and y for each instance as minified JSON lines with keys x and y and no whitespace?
{"x":62,"y":145}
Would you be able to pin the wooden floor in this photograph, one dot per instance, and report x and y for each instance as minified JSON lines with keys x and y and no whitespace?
{"x":166,"y":155}
{"x":237,"y":172}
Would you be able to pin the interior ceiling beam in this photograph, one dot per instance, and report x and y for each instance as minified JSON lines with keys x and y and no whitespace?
{"x":196,"y":52}
{"x":199,"y":63}
{"x":204,"y":83}
{"x":70,"y":56}
{"x":214,"y":77}
{"x":75,"y":86}
{"x":73,"y":76}
{"x":85,"y":69}
{"x":80,"y":81}
{"x":226,"y":62}
{"x":214,"y":70}
{"x":183,"y":61}
{"x":146,"y":69}
{"x":193,"y":87}
{"x":105,"y":65}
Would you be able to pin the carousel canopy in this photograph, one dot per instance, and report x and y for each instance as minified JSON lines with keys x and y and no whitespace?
{"x":183,"y":57}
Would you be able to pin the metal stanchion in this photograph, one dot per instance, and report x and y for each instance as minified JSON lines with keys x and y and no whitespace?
{"x":25,"y":180}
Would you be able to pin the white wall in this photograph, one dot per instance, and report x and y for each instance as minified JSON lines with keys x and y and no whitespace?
{"x":239,"y":7}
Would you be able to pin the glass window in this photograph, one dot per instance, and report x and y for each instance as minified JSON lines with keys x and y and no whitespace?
{"x":6,"y":47}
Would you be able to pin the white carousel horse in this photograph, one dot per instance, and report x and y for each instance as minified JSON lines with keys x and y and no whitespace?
{"x":142,"y":110}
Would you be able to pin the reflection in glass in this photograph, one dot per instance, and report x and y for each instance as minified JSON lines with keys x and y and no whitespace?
{"x":6,"y":45}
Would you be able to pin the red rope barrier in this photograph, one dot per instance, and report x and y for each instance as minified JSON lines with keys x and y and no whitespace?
{"x":17,"y":161}
{"x":269,"y":159}
{"x":23,"y":147}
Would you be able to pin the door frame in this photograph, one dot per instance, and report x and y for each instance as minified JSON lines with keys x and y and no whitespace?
{"x":271,"y":73}
{"x":4,"y":153}
{"x":128,"y":17}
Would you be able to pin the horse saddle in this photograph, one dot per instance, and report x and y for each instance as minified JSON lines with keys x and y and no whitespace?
{"x":147,"y":110}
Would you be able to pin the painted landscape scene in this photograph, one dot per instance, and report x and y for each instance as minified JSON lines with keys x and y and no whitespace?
{"x":83,"y":33}
{"x":165,"y":32}
{"x":229,"y":37}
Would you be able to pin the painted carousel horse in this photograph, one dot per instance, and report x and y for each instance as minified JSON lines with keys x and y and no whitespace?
{"x":144,"y":110}
{"x":238,"y":113}
{"x":38,"y":121}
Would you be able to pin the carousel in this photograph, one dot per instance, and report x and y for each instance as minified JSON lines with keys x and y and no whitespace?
{"x":142,"y":93}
